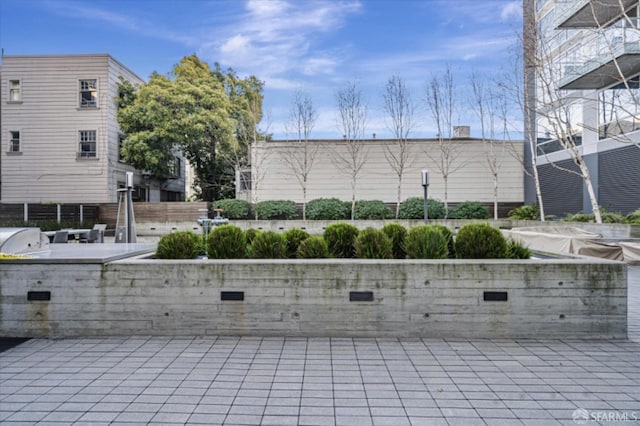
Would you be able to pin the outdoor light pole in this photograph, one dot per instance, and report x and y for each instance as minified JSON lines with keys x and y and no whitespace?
{"x":425,"y":185}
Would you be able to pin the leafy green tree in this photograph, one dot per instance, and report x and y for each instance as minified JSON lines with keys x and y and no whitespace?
{"x":201,"y":112}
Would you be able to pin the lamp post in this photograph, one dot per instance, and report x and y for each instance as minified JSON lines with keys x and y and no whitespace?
{"x":425,"y":185}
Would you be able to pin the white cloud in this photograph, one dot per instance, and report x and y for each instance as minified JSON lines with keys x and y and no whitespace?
{"x":281,"y":83}
{"x":511,"y":10}
{"x":238,"y":43}
{"x":320,"y":65}
{"x":84,"y":11}
{"x":278,"y":36}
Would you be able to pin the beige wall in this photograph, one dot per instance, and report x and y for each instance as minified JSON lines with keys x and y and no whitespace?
{"x":49,"y":118}
{"x":470,"y":178}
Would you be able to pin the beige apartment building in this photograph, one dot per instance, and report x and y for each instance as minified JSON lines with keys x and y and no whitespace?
{"x":59,"y":133}
{"x":272,"y":178}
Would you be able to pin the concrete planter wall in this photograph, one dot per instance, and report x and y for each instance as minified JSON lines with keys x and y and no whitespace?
{"x":544,"y":299}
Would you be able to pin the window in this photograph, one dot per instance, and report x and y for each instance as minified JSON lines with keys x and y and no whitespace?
{"x":14,"y":142}
{"x":15,"y":94}
{"x":87,"y":144}
{"x":88,"y":93}
{"x":174,"y":167}
{"x":245,"y":180}
{"x":121,"y":138}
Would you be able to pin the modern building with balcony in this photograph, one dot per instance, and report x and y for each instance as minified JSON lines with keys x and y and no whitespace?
{"x":582,"y":71}
{"x":60,"y":139}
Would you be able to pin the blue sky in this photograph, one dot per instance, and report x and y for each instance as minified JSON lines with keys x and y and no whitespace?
{"x":317,"y":46}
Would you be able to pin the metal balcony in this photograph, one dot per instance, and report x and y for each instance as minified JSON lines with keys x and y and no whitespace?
{"x":590,"y":13}
{"x":603,"y":59}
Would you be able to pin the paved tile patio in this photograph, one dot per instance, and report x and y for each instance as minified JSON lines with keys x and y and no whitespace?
{"x":322,"y":381}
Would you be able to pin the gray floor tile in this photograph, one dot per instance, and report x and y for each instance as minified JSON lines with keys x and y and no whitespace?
{"x":170,"y":418}
{"x":354,"y":421}
{"x":27,"y":416}
{"x":316,"y":421}
{"x":390,"y":421}
{"x":96,"y":416}
{"x":134,"y":417}
{"x":207,"y":419}
{"x":279,"y":420}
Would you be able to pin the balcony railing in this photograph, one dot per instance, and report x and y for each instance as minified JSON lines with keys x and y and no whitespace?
{"x":589,"y":13}
{"x":548,"y":146}
{"x":590,"y":64}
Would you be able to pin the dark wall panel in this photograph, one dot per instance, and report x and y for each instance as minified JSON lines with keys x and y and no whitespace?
{"x":561,"y":191}
{"x":620,"y":179}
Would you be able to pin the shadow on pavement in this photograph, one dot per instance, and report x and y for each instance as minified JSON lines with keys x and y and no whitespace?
{"x":7,"y":343}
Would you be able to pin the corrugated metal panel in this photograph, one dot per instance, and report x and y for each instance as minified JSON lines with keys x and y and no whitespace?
{"x":561,"y":191}
{"x":620,"y":179}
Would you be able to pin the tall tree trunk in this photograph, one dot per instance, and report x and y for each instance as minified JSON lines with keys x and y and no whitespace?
{"x":446,"y":196}
{"x":495,"y":197}
{"x":538,"y":191}
{"x":592,"y":195}
{"x":399,"y":194}
{"x":353,"y":198}
{"x":304,"y":201}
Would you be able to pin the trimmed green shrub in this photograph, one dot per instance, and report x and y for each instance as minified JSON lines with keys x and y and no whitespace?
{"x":251,"y":234}
{"x":233,"y":209}
{"x":516,"y":250}
{"x":448,"y":235}
{"x":607,"y":217}
{"x":179,"y":245}
{"x":397,"y":234}
{"x":328,"y":209}
{"x":426,"y":242}
{"x":227,"y":242}
{"x":269,"y":245}
{"x":372,"y":209}
{"x":579,"y":217}
{"x":313,"y":248}
{"x":373,"y":244}
{"x":526,"y":212}
{"x":469,"y":210}
{"x":634,"y":217}
{"x":413,"y":208}
{"x":340,"y":238}
{"x":275,"y":209}
{"x":480,"y":241}
{"x":294,"y":237}
{"x":611,"y":217}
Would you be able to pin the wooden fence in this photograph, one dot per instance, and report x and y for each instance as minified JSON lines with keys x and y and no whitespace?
{"x":154,"y":212}
{"x":100,"y":213}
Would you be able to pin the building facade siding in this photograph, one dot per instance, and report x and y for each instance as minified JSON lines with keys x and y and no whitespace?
{"x":50,"y":117}
{"x":470,"y":179}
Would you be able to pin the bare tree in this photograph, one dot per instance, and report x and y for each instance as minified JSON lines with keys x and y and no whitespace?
{"x":300,"y":154}
{"x":260,"y":153}
{"x":351,"y":121}
{"x":441,"y":103}
{"x":399,"y":108}
{"x":619,"y":105}
{"x":515,"y":85}
{"x":488,"y":104}
{"x":554,"y":109}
